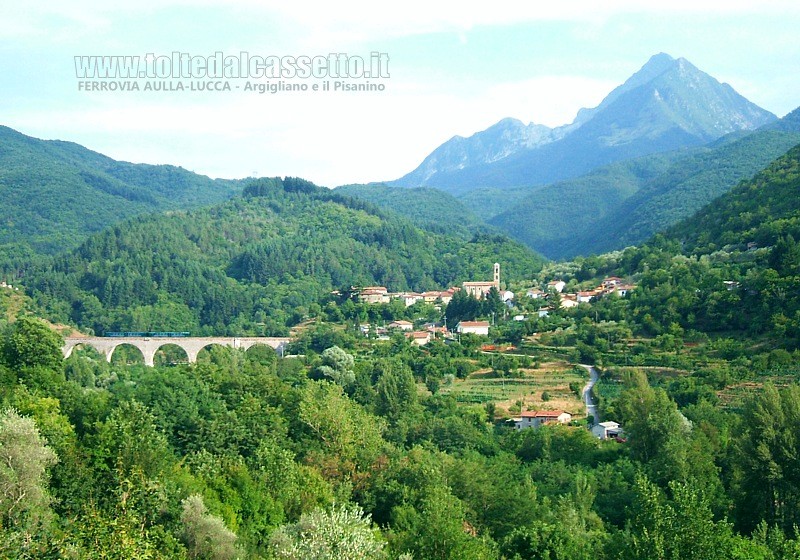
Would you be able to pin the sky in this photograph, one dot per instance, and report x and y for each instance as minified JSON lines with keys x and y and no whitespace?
{"x":454,"y":68}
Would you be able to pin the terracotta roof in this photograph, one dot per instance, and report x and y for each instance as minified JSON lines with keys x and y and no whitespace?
{"x":543,"y":413}
{"x":474,"y":323}
{"x":371,"y":292}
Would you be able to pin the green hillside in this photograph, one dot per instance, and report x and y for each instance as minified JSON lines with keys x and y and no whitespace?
{"x":57,"y":193}
{"x":255,"y":264}
{"x":427,"y":208}
{"x":488,"y":202}
{"x":761,"y":211}
{"x":734,"y":267}
{"x":560,"y":215}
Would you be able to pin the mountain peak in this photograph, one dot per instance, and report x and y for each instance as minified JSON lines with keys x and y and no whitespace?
{"x":660,"y":60}
{"x":654,"y":67}
{"x":666,"y":105}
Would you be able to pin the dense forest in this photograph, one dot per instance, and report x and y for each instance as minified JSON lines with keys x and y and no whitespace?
{"x":55,"y":194}
{"x":427,"y":208}
{"x":256,"y":264}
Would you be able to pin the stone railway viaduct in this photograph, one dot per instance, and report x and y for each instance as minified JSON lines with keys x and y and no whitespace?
{"x":150,"y":345}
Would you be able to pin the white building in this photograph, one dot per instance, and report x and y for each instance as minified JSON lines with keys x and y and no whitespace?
{"x":585,"y":297}
{"x":474,"y":327}
{"x":568,"y":303}
{"x":421,"y":338}
{"x":557,"y":285}
{"x":605,"y":430}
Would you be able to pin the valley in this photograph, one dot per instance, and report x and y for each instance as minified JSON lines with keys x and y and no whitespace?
{"x":268,"y":369}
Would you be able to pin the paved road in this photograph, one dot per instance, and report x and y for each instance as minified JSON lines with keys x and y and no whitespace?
{"x":591,"y":405}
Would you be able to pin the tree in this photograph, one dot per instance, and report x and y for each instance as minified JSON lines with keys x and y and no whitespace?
{"x":337,"y":365}
{"x":205,"y":535}
{"x":344,"y":438}
{"x":30,"y":343}
{"x":682,"y":527}
{"x":436,"y":529}
{"x":24,"y":460}
{"x":767,"y":466}
{"x":396,"y":389}
{"x":785,"y":257}
{"x":343,"y":533}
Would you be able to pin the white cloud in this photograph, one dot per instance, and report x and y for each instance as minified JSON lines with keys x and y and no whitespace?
{"x":351,"y":21}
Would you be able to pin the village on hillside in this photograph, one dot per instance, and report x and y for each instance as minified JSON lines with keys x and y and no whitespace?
{"x":552,"y":293}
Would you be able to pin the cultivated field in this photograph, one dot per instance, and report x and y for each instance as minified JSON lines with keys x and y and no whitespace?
{"x":551,"y":379}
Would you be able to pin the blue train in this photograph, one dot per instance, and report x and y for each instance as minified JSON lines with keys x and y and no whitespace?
{"x":152,"y":334}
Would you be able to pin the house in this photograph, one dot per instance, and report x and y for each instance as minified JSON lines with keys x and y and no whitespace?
{"x":536,"y":419}
{"x":731,"y":285}
{"x":474,"y":327}
{"x":507,"y":296}
{"x":520,"y":317}
{"x":374,"y":294}
{"x":447,"y":295}
{"x":605,"y":430}
{"x":557,"y":285}
{"x":569,"y":301}
{"x":611,"y":282}
{"x":535,"y":293}
{"x":544,"y":312}
{"x":420,"y":338}
{"x":435,"y":328}
{"x":480,"y":289}
{"x":623,"y":289}
{"x":431,"y":297}
{"x":411,"y":298}
{"x":585,"y":297}
{"x":402,"y":325}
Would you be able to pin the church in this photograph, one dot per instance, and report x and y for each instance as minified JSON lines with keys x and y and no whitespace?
{"x":480,"y":289}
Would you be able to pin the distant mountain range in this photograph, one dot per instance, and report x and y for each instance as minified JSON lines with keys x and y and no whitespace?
{"x":56,"y":193}
{"x":667,"y":105}
{"x":626,"y":202}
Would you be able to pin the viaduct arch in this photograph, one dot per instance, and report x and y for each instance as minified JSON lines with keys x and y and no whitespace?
{"x":150,"y":345}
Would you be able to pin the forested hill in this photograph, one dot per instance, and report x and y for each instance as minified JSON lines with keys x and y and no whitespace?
{"x":57,"y":193}
{"x":428,"y":208}
{"x":256,"y":263}
{"x":734,"y":266}
{"x":760,"y":211}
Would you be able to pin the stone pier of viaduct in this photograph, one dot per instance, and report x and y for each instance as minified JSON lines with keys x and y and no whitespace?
{"x":150,"y":345}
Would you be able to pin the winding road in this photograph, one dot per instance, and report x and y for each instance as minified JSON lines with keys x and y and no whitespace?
{"x":588,"y":399}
